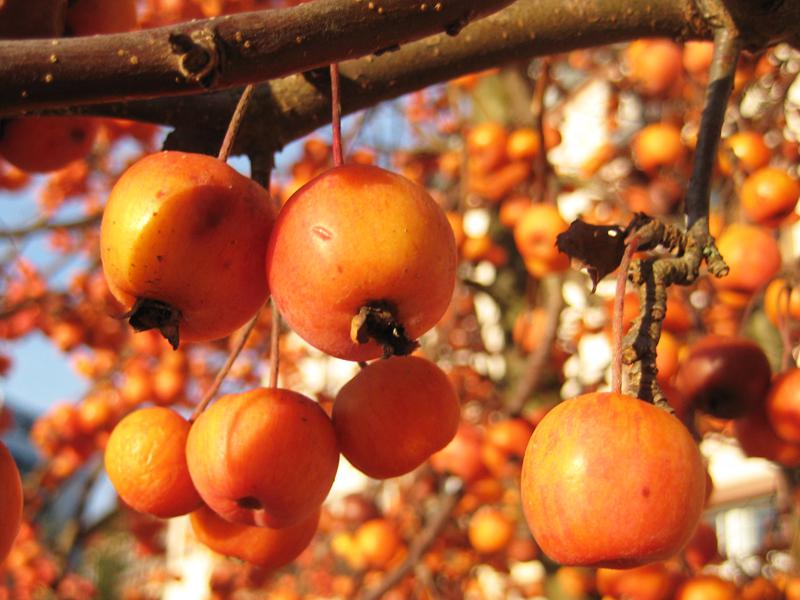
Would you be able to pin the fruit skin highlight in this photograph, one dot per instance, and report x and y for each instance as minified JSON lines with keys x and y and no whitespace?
{"x":188,"y":233}
{"x":611,"y":481}
{"x":354,"y":236}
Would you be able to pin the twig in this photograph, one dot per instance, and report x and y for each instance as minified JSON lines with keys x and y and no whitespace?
{"x":74,"y":531}
{"x":534,"y":364}
{"x":453,"y":101}
{"x":225,"y":369}
{"x":202,"y":55}
{"x":13,"y":309}
{"x":287,"y":109}
{"x":453,"y":490}
{"x":235,"y":123}
{"x":722,"y":72}
{"x":42,"y":225}
{"x":541,"y":166}
{"x":425,"y":579}
{"x":619,"y":306}
{"x":654,"y":275}
{"x":261,"y":169}
{"x":336,"y":116}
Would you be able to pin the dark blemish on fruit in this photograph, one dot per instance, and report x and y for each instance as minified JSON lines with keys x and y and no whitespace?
{"x":646,"y":492}
{"x":208,"y":219}
{"x":159,"y":258}
{"x":321,"y":233}
{"x":339,"y":268}
{"x":213,"y":218}
{"x":304,"y":419}
{"x":249,"y":502}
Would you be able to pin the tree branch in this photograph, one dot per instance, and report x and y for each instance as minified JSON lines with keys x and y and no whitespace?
{"x":288,"y":108}
{"x":723,"y":69}
{"x":217,"y":53}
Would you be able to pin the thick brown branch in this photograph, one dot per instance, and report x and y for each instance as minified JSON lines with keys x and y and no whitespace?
{"x":288,"y":108}
{"x":217,"y":53}
{"x":235,"y":123}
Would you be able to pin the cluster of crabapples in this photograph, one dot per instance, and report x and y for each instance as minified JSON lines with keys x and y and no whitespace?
{"x":360,"y":262}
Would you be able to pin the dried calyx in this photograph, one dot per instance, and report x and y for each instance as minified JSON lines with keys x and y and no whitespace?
{"x":376,"y":321}
{"x":154,"y":314}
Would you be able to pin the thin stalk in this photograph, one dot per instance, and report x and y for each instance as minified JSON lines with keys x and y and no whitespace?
{"x":274,"y":347}
{"x":336,"y":116}
{"x":619,"y":309}
{"x":235,"y":123}
{"x":225,"y":369}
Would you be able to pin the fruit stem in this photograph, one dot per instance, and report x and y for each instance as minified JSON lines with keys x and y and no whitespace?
{"x":274,"y":346}
{"x":619,"y":306}
{"x":336,"y":116}
{"x":225,"y":369}
{"x":236,"y":121}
